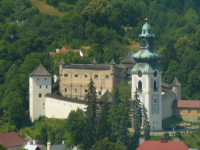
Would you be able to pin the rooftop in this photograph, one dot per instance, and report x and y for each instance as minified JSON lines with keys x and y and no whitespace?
{"x":129,"y":58}
{"x":107,"y":95}
{"x":11,"y":139}
{"x":186,"y":104}
{"x":40,"y":71}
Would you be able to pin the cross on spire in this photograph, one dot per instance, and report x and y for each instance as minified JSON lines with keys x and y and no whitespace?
{"x":146,"y":19}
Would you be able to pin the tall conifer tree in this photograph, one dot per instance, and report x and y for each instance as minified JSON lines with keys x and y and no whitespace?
{"x":116,"y":100}
{"x":91,"y":110}
{"x":137,"y":115}
{"x":44,"y":135}
{"x":146,"y":126}
{"x":123,"y":131}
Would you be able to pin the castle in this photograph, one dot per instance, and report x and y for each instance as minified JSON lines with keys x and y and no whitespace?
{"x":138,"y":69}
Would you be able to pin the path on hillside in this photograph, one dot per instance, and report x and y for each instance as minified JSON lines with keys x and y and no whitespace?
{"x":171,"y":133}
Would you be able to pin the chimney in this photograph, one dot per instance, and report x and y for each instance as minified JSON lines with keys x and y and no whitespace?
{"x":141,"y":140}
{"x":34,"y":142}
{"x":57,"y":50}
{"x":29,"y":143}
{"x":176,"y":139}
{"x":48,"y":146}
{"x":163,"y":140}
{"x":63,"y":142}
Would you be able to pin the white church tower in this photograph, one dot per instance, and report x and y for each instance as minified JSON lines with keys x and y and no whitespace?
{"x":39,"y":86}
{"x":146,"y":76}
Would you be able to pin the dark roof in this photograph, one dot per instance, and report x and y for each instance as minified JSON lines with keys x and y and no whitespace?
{"x":11,"y":139}
{"x":186,"y":104}
{"x":58,"y":97}
{"x":40,"y":71}
{"x":112,"y":62}
{"x":165,"y":85}
{"x":175,"y":82}
{"x":94,"y":61}
{"x":129,"y":58}
{"x":106,"y":95}
{"x":62,"y":62}
{"x":89,"y":66}
{"x":120,"y":66}
{"x":158,"y":145}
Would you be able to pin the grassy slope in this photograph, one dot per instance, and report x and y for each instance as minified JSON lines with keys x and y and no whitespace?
{"x":133,"y":45}
{"x":45,"y":8}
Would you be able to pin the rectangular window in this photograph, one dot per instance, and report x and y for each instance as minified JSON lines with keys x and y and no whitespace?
{"x":180,"y":111}
{"x":38,"y":79}
{"x":85,"y":76}
{"x":99,"y":92}
{"x":65,"y":75}
{"x":65,"y":89}
{"x":155,"y":100}
{"x":198,"y":111}
{"x":155,"y":110}
{"x":45,"y":78}
{"x":107,"y":77}
{"x":40,"y":95}
{"x":40,"y":86}
{"x":189,"y":111}
{"x":75,"y":90}
{"x":76,"y":75}
{"x":85,"y":90}
{"x":96,"y":76}
{"x":46,"y":87}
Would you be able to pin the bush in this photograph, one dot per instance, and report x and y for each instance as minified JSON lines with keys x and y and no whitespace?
{"x":54,"y":3}
{"x":166,"y":135}
{"x":178,"y":135}
{"x":65,"y":8}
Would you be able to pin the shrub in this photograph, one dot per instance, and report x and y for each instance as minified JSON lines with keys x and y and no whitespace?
{"x":166,"y":135}
{"x":178,"y":135}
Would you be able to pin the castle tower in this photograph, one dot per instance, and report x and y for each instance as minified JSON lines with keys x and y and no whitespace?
{"x":39,"y":86}
{"x":146,"y":76}
{"x":176,"y":88}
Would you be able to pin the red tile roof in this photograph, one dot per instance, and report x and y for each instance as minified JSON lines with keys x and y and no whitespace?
{"x":186,"y":104}
{"x":158,"y":145}
{"x":11,"y":139}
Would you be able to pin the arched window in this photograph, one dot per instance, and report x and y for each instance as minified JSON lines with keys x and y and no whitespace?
{"x":143,"y":43}
{"x":154,"y":86}
{"x":139,"y":85}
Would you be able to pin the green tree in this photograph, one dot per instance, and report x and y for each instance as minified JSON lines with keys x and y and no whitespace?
{"x":2,"y":147}
{"x":166,"y":135}
{"x":96,"y":52}
{"x":44,"y":135}
{"x":75,"y":124}
{"x":116,"y":100}
{"x":103,"y":128}
{"x":91,"y":111}
{"x":191,"y":16}
{"x":146,"y":126}
{"x":178,"y":135}
{"x":123,"y":132}
{"x":137,"y":115}
{"x":124,"y":90}
{"x":53,"y":2}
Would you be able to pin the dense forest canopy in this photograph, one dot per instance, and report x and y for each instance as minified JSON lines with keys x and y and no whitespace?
{"x":100,"y":25}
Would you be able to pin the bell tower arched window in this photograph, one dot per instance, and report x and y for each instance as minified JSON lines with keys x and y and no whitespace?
{"x":139,"y":85}
{"x":143,"y":43}
{"x":154,"y":86}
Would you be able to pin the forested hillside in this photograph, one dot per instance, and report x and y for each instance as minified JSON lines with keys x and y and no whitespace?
{"x":98,"y":24}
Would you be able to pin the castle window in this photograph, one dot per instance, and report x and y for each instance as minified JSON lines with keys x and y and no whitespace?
{"x":198,"y":111}
{"x":43,"y":107}
{"x":40,"y":95}
{"x":85,"y":76}
{"x":46,"y":87}
{"x":189,"y":111}
{"x":75,"y":90}
{"x":99,"y":92}
{"x":40,"y":86}
{"x":76,"y":75}
{"x":43,"y":103}
{"x":139,"y":85}
{"x":65,"y":75}
{"x":143,"y":43}
{"x":38,"y":78}
{"x":155,"y":100}
{"x":180,"y":111}
{"x":144,"y":31}
{"x":65,"y":89}
{"x":96,"y":76}
{"x":45,"y":78}
{"x":155,"y":110}
{"x":107,"y":77}
{"x":85,"y":90}
{"x":154,"y":86}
